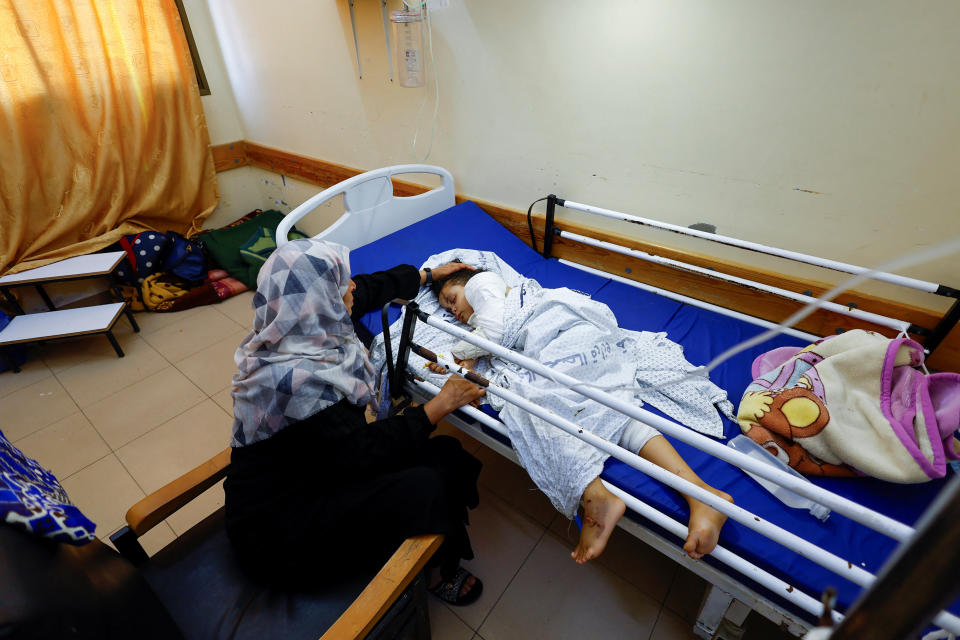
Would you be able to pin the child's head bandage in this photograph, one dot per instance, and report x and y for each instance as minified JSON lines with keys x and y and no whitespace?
{"x":485,"y":293}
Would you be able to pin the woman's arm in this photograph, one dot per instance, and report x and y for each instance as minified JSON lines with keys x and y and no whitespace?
{"x":404,"y":281}
{"x":377,"y":289}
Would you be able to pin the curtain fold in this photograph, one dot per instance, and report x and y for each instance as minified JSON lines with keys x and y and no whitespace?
{"x":102,"y":132}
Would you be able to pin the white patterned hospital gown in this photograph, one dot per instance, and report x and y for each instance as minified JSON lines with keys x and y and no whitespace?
{"x":580,"y":337}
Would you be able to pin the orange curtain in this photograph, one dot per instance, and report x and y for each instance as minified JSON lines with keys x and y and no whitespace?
{"x":101,"y":128}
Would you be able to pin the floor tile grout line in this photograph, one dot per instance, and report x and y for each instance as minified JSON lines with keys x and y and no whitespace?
{"x":512,"y":578}
{"x":75,"y":404}
{"x":653,"y":629}
{"x":663,"y":604}
{"x":205,"y":396}
{"x":145,"y":494}
{"x":37,"y":431}
{"x":123,"y":519}
{"x":87,"y":466}
{"x":145,"y":433}
{"x":224,"y":313}
{"x":83,"y":410}
{"x":149,"y":331}
{"x":115,"y":450}
{"x":239,"y":328}
{"x":117,"y":389}
{"x":510,"y":503}
{"x":135,"y":481}
{"x":49,"y":370}
{"x":82,"y":337}
{"x":184,"y":373}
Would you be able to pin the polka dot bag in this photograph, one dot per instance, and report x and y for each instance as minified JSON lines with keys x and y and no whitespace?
{"x":146,"y":252}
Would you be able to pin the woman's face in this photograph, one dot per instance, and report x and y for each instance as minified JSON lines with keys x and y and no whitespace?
{"x":453,"y":300}
{"x":348,"y":296}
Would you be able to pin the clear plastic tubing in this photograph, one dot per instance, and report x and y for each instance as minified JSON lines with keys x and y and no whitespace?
{"x":745,"y":444}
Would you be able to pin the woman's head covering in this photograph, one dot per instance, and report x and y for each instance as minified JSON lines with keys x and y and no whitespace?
{"x":303,"y":354}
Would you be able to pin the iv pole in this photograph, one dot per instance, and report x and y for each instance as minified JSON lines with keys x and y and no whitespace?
{"x":386,"y":35}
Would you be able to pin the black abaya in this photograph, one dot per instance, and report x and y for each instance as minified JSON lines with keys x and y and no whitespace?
{"x":332,"y":493}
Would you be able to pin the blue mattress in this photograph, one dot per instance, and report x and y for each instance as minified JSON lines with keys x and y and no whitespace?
{"x":703,"y":334}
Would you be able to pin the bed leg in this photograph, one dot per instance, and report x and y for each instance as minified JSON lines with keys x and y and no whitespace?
{"x":737,"y":613}
{"x":721,"y":617}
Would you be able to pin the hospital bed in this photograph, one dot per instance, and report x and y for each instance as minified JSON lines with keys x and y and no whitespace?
{"x":771,"y":559}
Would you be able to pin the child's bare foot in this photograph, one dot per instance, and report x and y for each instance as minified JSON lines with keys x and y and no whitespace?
{"x":601,"y":511}
{"x":703,"y":531}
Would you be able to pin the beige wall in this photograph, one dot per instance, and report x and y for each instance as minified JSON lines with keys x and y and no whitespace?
{"x":823,"y":127}
{"x":223,"y":119}
{"x":247,"y":188}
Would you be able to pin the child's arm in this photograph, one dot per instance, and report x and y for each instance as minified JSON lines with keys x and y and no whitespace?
{"x":437,"y":368}
{"x":465,"y":351}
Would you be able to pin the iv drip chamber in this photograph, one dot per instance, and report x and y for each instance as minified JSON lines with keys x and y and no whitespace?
{"x":408,"y":35}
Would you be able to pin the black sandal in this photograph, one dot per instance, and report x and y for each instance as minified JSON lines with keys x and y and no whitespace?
{"x":449,"y":590}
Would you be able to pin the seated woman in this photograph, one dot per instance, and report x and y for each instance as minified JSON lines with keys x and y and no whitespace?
{"x":479,"y":299}
{"x":315,"y":492}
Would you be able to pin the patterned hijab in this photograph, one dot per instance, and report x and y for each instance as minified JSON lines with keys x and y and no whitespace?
{"x":303,"y":354}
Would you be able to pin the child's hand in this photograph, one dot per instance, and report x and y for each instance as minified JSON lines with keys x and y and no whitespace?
{"x":436,"y":368}
{"x":466,"y":364}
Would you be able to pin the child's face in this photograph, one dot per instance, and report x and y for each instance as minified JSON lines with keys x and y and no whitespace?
{"x":453,"y":300}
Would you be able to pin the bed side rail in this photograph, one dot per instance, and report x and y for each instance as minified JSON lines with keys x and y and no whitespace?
{"x":826,"y":559}
{"x":932,"y":336}
{"x":372,"y":211}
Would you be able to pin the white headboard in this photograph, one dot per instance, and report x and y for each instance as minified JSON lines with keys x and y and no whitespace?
{"x":372,"y":211}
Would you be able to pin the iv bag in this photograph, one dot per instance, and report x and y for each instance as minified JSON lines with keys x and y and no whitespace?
{"x":408,"y":34}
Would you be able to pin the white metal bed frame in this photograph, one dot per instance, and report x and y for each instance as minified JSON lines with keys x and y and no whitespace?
{"x":372,"y":212}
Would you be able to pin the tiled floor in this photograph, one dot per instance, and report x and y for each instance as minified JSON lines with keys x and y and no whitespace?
{"x":114,"y":429}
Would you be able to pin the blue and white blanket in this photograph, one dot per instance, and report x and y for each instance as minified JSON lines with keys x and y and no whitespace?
{"x":578,"y":336}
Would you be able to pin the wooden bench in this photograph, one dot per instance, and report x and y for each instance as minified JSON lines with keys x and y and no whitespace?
{"x":53,"y":325}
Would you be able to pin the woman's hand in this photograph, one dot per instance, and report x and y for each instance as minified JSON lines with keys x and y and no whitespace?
{"x":444,"y":270}
{"x":456,"y":393}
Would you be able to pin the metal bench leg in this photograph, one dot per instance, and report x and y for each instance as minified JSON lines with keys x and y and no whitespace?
{"x":116,"y":345}
{"x":46,"y":298}
{"x":11,"y":362}
{"x":126,"y":309}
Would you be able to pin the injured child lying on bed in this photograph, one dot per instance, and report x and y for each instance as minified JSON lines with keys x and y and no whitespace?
{"x":573,"y":334}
